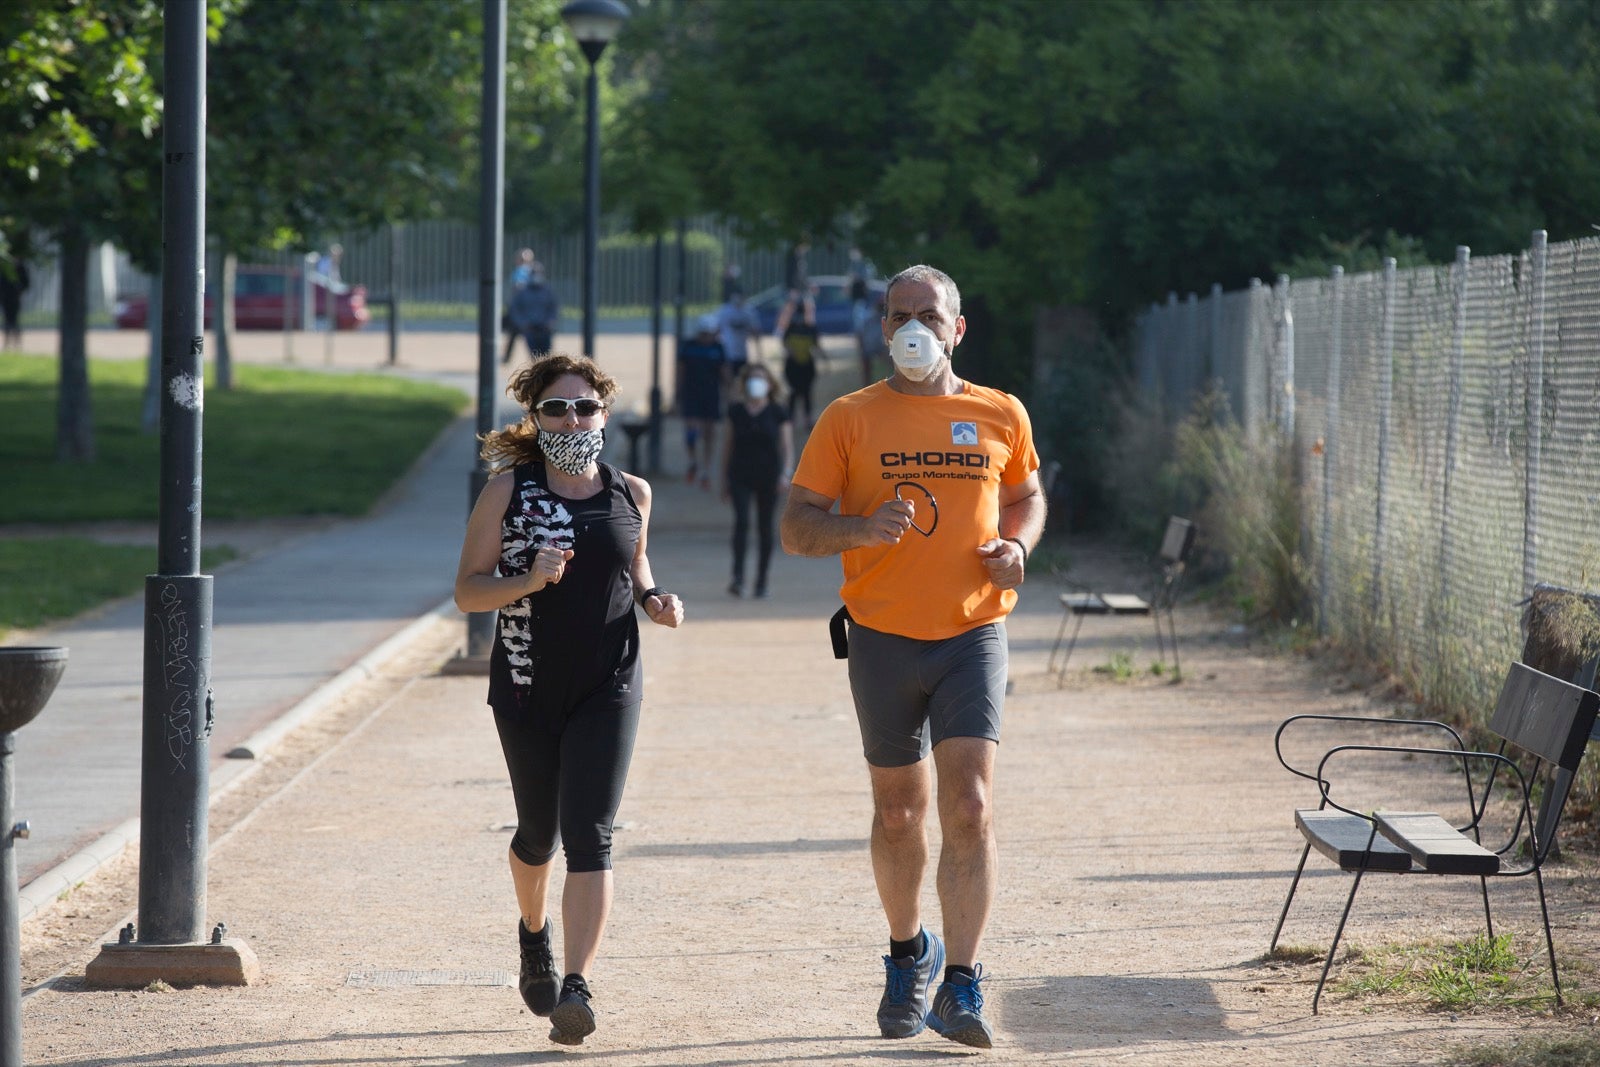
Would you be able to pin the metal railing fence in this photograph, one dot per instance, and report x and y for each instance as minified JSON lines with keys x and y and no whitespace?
{"x":433,"y":266}
{"x":1444,"y":424}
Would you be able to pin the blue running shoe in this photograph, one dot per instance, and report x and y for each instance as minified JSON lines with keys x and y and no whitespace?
{"x":903,"y":1012}
{"x":958,"y":1011}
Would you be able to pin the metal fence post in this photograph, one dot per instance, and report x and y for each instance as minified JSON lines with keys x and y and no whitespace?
{"x":1249,"y":416}
{"x":1380,"y":518}
{"x":1535,"y":412}
{"x":1216,"y":333}
{"x":1330,"y":437}
{"x":1193,"y":358}
{"x":1168,"y":359}
{"x":1452,"y":429}
{"x":1285,"y":390}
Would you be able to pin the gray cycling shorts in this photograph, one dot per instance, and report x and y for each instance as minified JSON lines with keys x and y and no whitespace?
{"x":912,"y":694}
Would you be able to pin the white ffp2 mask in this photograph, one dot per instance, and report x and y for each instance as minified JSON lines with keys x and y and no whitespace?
{"x":916,"y":350}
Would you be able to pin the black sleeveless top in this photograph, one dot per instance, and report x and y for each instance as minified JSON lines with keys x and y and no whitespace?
{"x":561,"y":644}
{"x":755,"y":453}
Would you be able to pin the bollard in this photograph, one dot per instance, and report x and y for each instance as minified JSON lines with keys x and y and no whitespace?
{"x":27,"y":678}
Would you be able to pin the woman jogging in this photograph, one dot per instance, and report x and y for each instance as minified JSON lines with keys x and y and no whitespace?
{"x":556,"y":543}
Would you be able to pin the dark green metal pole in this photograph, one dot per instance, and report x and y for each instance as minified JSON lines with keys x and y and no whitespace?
{"x":491,"y":226}
{"x":177,"y":631}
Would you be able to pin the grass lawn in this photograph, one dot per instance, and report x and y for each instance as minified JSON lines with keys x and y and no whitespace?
{"x":45,"y":579}
{"x":280,"y":443}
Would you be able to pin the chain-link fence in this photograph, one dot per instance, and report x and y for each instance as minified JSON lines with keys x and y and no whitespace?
{"x":1445,"y":432}
{"x":433,"y":267}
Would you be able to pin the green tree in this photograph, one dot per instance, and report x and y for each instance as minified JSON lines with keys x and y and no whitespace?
{"x":1104,"y":153}
{"x":80,"y":100}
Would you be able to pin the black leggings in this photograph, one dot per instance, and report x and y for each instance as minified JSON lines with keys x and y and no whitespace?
{"x":800,"y":377}
{"x":567,"y":774}
{"x":766,"y":501}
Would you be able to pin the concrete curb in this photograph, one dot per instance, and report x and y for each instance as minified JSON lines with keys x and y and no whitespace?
{"x":83,"y":864}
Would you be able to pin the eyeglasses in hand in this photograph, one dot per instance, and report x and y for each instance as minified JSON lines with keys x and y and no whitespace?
{"x":932,"y":503}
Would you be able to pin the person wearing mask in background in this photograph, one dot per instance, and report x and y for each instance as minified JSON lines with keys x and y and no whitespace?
{"x":557,"y":545}
{"x":802,"y":350}
{"x":932,"y":555}
{"x":701,"y":373}
{"x":535,"y":312}
{"x":737,"y":327}
{"x":757,"y":444}
{"x":521,"y":275}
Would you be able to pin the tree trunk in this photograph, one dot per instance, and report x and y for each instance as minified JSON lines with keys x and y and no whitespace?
{"x":74,"y":416}
{"x":222,"y":305}
{"x":150,"y":415}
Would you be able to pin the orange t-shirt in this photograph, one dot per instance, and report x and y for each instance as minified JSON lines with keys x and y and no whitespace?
{"x":959,"y":449}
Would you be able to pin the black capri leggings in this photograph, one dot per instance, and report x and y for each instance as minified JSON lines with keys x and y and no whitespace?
{"x":567,"y":774}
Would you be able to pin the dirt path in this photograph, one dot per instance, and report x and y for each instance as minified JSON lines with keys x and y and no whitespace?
{"x":1145,"y":836}
{"x":1144,"y":833}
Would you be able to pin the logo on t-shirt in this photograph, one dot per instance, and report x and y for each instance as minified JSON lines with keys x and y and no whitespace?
{"x":963,"y":433}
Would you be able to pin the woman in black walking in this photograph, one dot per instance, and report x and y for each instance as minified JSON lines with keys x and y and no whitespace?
{"x":756,"y":454}
{"x":556,"y":543}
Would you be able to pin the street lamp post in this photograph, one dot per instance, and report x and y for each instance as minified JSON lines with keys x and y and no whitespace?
{"x":593,"y":23}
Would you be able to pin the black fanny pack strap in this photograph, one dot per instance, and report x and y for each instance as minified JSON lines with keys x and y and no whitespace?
{"x":839,"y":633}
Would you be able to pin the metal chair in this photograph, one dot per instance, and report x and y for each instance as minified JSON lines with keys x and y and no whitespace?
{"x":1169,"y":564}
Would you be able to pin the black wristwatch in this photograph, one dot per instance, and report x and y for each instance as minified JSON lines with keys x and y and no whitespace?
{"x":654,"y":590}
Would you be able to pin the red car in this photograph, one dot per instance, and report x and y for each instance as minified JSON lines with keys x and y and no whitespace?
{"x":258,"y":302}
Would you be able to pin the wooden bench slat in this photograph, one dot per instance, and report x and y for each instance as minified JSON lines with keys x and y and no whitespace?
{"x":1436,"y":845}
{"x":1084,"y":603}
{"x":1343,"y":839}
{"x":1125,"y":603}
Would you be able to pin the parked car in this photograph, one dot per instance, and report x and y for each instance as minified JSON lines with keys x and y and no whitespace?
{"x":259,"y":297}
{"x":831,"y":292}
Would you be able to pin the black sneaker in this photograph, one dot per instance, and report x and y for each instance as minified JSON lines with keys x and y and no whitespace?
{"x":573,"y":1018}
{"x":903,"y":1011}
{"x":736,"y":588}
{"x":539,"y":983}
{"x":958,"y":1011}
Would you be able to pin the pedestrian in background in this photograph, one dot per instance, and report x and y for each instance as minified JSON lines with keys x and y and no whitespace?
{"x":13,"y":283}
{"x":737,"y":327}
{"x":756,"y":451}
{"x":557,"y":545}
{"x":802,"y":350}
{"x":924,"y":622}
{"x":535,"y":312}
{"x":702,"y":364}
{"x":521,"y":275}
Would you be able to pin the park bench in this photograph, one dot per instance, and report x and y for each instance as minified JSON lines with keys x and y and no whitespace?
{"x":1561,"y":637}
{"x":1540,"y":719}
{"x":1166,"y":574}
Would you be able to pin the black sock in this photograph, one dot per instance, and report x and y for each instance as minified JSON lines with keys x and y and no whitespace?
{"x":574,"y":983}
{"x":955,"y":968}
{"x":532,"y":937}
{"x":914,"y":948}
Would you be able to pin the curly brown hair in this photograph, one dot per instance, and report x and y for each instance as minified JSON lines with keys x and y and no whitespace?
{"x":519,"y":443}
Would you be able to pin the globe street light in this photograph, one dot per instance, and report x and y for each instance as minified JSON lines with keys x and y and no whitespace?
{"x":593,"y":23}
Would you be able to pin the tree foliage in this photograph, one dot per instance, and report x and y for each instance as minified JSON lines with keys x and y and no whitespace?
{"x":1105,"y":153}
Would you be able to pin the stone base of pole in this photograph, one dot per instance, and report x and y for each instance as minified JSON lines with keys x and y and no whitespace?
{"x":134,"y":966}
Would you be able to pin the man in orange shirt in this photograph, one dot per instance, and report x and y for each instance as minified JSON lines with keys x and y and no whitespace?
{"x":939,"y":505}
